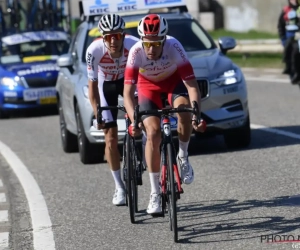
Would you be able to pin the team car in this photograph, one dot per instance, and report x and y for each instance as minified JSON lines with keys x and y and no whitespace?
{"x":221,"y":82}
{"x":28,"y":69}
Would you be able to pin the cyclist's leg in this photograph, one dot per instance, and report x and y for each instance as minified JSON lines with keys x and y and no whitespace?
{"x":178,"y":97}
{"x":149,"y":101}
{"x":109,"y":97}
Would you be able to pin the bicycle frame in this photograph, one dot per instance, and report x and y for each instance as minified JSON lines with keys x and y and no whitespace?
{"x":132,"y":163}
{"x":169,"y":175}
{"x":167,"y":139}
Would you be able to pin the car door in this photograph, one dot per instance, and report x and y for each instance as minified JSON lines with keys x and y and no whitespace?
{"x":71,"y":79}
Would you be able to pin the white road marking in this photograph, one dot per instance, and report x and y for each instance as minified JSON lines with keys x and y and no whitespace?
{"x":4,"y":237}
{"x":1,"y":183}
{"x":3,"y":216}
{"x":43,"y":238}
{"x":276,"y":131}
{"x":2,"y":197}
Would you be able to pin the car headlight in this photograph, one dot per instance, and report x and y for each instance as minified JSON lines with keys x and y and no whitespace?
{"x":86,"y":91}
{"x":10,"y":82}
{"x":228,"y":77}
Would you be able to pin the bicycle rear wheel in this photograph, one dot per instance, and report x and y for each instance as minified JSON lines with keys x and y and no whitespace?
{"x":172,"y":207}
{"x":130,"y":184}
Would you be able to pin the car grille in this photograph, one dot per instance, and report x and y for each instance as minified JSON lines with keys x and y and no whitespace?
{"x":40,"y":82}
{"x":204,"y":88}
{"x":17,"y":100}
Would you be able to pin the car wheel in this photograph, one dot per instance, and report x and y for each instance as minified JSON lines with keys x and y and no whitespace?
{"x":240,"y":137}
{"x":68,"y":140}
{"x":89,"y":153}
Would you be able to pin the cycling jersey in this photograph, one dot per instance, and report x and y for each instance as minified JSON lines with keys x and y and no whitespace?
{"x":154,"y":77}
{"x":108,"y":71}
{"x":101,"y":66}
{"x":170,"y":68}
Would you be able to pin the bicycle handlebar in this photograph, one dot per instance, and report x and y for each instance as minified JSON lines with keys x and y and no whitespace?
{"x":100,"y":109}
{"x":166,"y":111}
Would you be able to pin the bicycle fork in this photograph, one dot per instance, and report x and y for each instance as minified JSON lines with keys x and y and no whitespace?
{"x":137,"y":159}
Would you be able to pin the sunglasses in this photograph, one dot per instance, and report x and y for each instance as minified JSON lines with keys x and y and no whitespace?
{"x":117,"y":36}
{"x":153,"y":43}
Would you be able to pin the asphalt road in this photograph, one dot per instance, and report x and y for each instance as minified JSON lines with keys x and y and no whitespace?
{"x":237,"y":198}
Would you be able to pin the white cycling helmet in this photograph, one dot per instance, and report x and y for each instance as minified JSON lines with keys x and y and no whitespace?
{"x":153,"y":25}
{"x":111,"y":22}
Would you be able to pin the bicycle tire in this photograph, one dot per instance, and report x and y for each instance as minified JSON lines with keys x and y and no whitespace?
{"x":124,"y":168}
{"x":130,"y":179}
{"x":172,"y":193}
{"x":134,"y":179}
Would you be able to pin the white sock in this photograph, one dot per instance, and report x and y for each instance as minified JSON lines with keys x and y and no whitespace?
{"x":183,"y":149}
{"x":154,"y":181}
{"x":117,"y":178}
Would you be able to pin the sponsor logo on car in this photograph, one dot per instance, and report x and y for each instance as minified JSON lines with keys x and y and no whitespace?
{"x":160,"y":2}
{"x":127,"y":5}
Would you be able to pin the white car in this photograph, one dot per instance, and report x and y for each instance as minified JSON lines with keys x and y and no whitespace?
{"x":222,"y":84}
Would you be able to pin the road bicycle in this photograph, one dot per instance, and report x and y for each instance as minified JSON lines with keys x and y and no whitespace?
{"x":170,"y":180}
{"x":132,"y":164}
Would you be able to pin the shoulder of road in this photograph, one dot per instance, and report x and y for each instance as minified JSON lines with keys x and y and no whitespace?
{"x":258,"y":45}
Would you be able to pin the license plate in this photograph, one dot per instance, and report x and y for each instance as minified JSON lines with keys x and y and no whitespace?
{"x":48,"y":100}
{"x":230,"y":90}
{"x":41,"y":94}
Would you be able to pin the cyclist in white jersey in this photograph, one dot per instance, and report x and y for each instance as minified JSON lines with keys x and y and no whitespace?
{"x":106,"y":59}
{"x":159,"y":64}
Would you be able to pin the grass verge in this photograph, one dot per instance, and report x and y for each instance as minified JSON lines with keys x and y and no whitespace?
{"x":252,"y":34}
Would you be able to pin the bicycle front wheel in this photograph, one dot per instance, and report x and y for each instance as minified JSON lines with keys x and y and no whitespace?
{"x":172,"y":207}
{"x":130,"y":184}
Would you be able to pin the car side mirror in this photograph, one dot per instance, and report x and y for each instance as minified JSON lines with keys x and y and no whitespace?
{"x":226,"y":43}
{"x":66,"y":61}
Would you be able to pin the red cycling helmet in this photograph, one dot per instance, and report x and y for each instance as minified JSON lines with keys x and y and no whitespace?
{"x":153,"y":25}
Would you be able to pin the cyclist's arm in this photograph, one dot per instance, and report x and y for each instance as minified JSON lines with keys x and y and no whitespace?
{"x":92,"y":59}
{"x":130,"y":80}
{"x":94,"y":96}
{"x":129,"y":100}
{"x":186,"y":71}
{"x":193,"y":91}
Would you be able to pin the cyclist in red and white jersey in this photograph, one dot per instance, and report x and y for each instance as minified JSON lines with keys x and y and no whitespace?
{"x":106,"y":59}
{"x":159,"y":64}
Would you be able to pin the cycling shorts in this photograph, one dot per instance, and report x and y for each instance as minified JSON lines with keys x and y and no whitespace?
{"x":153,"y":99}
{"x":109,"y":94}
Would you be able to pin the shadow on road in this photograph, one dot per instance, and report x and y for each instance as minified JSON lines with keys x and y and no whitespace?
{"x":33,"y":113}
{"x":234,"y":229}
{"x":260,"y":139}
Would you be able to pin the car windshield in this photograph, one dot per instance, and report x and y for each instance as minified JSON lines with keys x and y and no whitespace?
{"x":186,"y":31}
{"x":10,"y":53}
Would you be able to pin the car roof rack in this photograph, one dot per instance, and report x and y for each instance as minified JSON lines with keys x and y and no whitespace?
{"x":40,"y":15}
